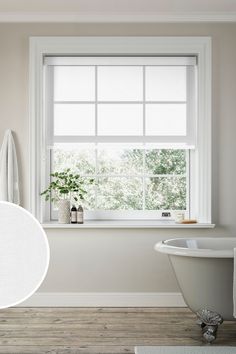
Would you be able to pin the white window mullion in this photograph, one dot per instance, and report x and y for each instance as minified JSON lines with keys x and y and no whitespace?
{"x":191,"y":106}
{"x":151,"y":141}
{"x":96,"y":133}
{"x":144,"y":133}
{"x":47,"y":137}
{"x":105,"y":175}
{"x":144,"y":102}
{"x":96,"y":178}
{"x":189,"y":187}
{"x":144,"y":179}
{"x":96,"y":100}
{"x":119,"y":102}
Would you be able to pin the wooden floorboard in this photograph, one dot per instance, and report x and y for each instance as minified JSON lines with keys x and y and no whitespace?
{"x":100,"y":330}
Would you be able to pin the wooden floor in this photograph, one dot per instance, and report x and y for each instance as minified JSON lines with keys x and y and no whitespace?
{"x":100,"y":330}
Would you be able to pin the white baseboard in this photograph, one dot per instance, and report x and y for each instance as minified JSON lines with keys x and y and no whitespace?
{"x":104,"y":300}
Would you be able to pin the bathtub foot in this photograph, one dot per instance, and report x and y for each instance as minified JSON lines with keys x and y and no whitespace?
{"x":209,"y":322}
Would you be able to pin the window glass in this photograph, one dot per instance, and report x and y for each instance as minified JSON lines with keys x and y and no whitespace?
{"x":166,"y":83}
{"x":74,"y":119}
{"x":166,"y":119}
{"x":120,"y":161}
{"x":79,"y":159}
{"x":166,"y":193}
{"x":74,"y":83}
{"x":166,"y":162}
{"x":127,"y":179}
{"x":119,"y":193}
{"x":120,"y":119}
{"x":120,"y":83}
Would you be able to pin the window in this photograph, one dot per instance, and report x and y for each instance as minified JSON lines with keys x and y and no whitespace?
{"x":129,"y":122}
{"x":107,"y":120}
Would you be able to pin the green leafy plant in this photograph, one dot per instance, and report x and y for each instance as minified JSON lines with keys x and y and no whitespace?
{"x":66,"y":185}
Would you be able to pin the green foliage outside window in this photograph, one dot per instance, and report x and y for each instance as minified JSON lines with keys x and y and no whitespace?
{"x":128,"y":179}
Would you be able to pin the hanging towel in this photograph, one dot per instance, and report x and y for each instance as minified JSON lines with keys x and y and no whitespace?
{"x":9,"y":179}
{"x":234,"y":283}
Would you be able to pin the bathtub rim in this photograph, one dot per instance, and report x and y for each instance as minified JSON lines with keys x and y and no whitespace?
{"x":164,"y":247}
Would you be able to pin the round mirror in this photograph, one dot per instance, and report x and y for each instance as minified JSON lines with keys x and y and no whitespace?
{"x":24,"y":254}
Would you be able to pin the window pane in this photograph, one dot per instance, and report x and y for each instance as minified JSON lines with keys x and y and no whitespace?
{"x":120,"y":83}
{"x":166,"y":193}
{"x":89,"y":202}
{"x":164,"y":162}
{"x":116,"y":193}
{"x":81,"y":161}
{"x":166,"y":119}
{"x":120,"y":161}
{"x":74,"y":119}
{"x":74,"y":83}
{"x":166,"y":83}
{"x":120,"y":119}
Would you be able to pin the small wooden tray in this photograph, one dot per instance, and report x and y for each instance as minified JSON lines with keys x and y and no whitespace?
{"x":189,"y":221}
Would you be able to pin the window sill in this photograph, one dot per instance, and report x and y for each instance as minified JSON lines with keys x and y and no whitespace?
{"x":126,"y":224}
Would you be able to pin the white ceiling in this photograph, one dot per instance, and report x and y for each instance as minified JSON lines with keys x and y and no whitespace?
{"x":118,"y":11}
{"x":123,"y":6}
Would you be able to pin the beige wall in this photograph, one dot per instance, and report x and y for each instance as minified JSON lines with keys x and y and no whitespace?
{"x":123,"y":260}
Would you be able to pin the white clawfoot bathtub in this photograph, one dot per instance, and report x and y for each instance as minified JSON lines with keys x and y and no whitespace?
{"x":204,"y":271}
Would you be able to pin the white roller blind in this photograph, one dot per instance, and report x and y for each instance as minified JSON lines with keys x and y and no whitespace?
{"x":120,"y":60}
{"x":149,"y":100}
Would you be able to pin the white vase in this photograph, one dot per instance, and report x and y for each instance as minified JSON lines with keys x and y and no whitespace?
{"x":64,"y":211}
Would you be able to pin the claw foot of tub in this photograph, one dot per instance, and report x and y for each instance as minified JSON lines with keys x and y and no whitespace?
{"x":209,"y":322}
{"x":209,"y":333}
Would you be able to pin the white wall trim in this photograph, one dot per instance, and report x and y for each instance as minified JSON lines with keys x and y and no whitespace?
{"x":104,"y":300}
{"x":122,"y":17}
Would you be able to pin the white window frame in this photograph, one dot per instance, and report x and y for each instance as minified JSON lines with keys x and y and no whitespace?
{"x":200,"y":174}
{"x":183,"y":141}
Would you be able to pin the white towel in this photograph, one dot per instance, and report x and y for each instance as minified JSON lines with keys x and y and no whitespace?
{"x":9,"y":177}
{"x":234,"y":283}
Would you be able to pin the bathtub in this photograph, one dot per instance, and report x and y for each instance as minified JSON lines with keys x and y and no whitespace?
{"x":204,"y":271}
